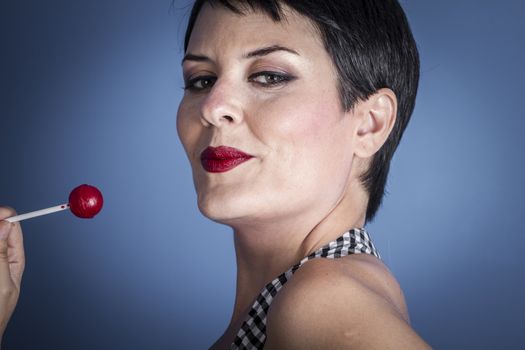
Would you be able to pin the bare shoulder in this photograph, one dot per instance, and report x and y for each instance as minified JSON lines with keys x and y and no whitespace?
{"x":346,"y":303}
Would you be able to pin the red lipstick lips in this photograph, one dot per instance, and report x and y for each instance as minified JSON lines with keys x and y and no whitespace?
{"x":222,"y":158}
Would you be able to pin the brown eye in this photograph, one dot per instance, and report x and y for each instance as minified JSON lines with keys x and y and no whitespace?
{"x":200,"y":83}
{"x":270,"y":78}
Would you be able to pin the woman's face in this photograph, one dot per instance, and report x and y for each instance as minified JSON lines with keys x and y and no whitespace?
{"x":268,"y":89}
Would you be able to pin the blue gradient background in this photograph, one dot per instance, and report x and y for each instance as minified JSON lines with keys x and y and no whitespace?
{"x":89,"y":92}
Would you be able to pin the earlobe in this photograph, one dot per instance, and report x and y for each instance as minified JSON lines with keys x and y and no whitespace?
{"x":377,"y":117}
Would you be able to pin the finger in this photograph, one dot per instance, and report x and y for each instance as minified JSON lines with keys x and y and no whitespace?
{"x":15,"y":254}
{"x":5,"y":272}
{"x":15,"y":245}
{"x":6,"y":212}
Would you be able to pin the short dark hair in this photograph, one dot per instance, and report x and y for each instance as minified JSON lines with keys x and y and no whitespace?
{"x":372,"y":47}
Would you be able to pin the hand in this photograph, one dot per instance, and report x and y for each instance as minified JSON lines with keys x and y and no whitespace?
{"x":12,"y":262}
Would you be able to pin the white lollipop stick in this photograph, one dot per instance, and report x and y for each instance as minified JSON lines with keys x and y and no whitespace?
{"x":38,"y":213}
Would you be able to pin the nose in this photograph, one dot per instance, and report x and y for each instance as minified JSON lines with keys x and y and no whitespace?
{"x":222,"y":105}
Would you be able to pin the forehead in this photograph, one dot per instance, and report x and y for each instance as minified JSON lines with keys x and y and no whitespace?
{"x":220,"y":29}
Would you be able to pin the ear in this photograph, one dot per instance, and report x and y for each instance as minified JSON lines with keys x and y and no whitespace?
{"x":375,"y":119}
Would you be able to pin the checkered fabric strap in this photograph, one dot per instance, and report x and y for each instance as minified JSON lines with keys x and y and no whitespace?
{"x":252,"y":334}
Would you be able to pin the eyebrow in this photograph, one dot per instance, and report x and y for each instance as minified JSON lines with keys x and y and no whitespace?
{"x":256,"y":53}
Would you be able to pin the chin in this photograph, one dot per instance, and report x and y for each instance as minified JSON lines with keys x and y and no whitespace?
{"x":224,"y":207}
{"x":235,"y":208}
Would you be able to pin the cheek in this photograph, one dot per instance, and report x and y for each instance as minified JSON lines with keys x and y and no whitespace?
{"x":305,"y":128}
{"x":187,"y":127}
{"x":307,"y":145}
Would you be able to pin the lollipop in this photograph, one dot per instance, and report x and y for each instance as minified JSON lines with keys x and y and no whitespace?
{"x":85,"y":201}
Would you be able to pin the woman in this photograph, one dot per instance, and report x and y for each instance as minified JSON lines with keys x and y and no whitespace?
{"x":291,"y":113}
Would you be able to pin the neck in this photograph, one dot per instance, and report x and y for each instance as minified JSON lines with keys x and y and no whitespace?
{"x":265,"y":250}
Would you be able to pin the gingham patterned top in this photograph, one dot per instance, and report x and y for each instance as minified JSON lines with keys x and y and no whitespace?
{"x":252,"y":334}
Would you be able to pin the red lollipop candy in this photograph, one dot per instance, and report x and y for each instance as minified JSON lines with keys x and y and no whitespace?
{"x":85,"y":201}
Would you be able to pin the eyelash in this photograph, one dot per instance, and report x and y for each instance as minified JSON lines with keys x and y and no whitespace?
{"x":280,"y":77}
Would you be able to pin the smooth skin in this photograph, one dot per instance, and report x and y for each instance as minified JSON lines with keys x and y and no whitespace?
{"x":270,"y":89}
{"x":12,"y":263}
